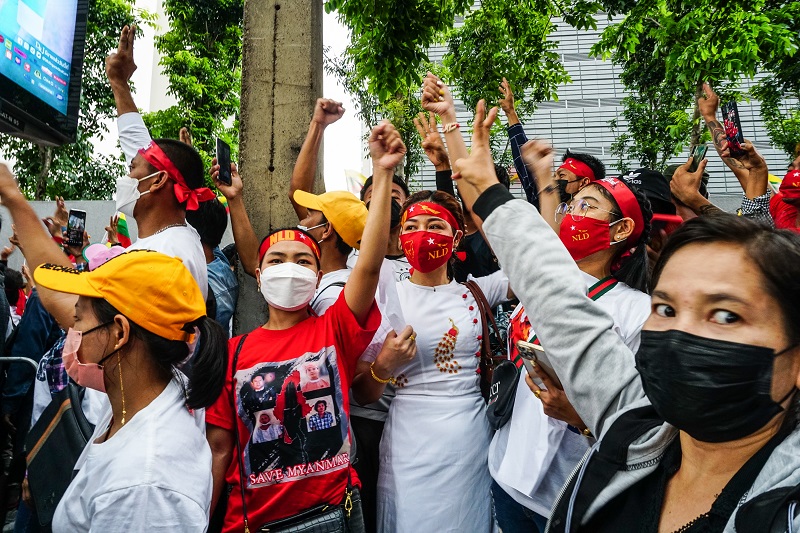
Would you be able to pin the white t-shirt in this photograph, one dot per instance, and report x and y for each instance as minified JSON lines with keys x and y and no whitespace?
{"x":400,"y":263}
{"x":182,"y":242}
{"x":532,"y":456}
{"x":327,"y":293}
{"x":154,"y":474}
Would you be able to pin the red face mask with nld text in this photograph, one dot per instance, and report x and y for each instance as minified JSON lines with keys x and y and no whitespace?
{"x":427,"y":251}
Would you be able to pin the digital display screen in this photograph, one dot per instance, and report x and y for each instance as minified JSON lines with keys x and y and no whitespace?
{"x":36,"y":43}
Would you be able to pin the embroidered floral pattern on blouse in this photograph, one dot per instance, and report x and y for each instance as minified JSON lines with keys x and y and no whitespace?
{"x":443,"y":356}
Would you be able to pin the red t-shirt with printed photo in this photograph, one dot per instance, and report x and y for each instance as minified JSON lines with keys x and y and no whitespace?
{"x":292,"y":409}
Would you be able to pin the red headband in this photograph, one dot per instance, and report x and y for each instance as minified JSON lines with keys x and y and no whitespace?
{"x":287,"y":235}
{"x":580,"y":169}
{"x":627,"y":203}
{"x":154,"y":155}
{"x":429,"y":208}
{"x":790,"y":186}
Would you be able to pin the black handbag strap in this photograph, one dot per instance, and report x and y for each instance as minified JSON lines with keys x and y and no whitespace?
{"x":236,"y":430}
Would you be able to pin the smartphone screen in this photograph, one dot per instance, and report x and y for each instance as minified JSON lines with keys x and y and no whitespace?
{"x":76,"y":226}
{"x":733,"y":128}
{"x":224,"y":161}
{"x":698,"y":154}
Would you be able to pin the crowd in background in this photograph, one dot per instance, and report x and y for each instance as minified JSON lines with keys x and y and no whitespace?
{"x":610,"y":353}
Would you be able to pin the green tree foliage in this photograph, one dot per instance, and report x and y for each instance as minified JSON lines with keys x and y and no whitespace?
{"x":77,"y":171}
{"x":389,"y":39}
{"x":202,"y":59}
{"x":510,"y":38}
{"x":400,"y":108}
{"x":657,"y":123}
{"x":706,"y":40}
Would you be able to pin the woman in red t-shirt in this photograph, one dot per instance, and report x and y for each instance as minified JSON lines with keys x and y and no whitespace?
{"x":266,"y":429}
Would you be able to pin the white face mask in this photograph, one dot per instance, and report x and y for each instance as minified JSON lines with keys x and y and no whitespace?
{"x":288,"y":286}
{"x":128,"y":193}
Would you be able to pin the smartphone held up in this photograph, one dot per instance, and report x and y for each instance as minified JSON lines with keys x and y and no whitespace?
{"x":224,"y":161}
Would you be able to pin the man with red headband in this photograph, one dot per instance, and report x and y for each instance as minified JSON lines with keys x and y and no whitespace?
{"x":576,"y":171}
{"x":165,"y":178}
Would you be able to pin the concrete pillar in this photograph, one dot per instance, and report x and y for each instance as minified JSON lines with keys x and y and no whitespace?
{"x":281,"y":80}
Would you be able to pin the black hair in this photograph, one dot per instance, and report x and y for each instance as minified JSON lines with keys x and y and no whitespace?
{"x":231,"y":253}
{"x":209,"y":365}
{"x":256,"y":375}
{"x":14,"y":283}
{"x":341,"y":246}
{"x":186,"y":159}
{"x":632,"y":269}
{"x":210,"y":220}
{"x":502,"y":175}
{"x":323,"y":402}
{"x":591,"y":161}
{"x":293,"y":228}
{"x":397,"y":179}
{"x":449,"y":202}
{"x":775,"y":252}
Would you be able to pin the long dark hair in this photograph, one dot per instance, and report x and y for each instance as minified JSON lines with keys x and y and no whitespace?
{"x":449,"y":202}
{"x":209,"y":365}
{"x":632,"y":268}
{"x":775,"y":252}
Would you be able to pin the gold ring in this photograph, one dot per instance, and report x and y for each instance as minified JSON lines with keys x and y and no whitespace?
{"x":413,"y":337}
{"x":537,"y":393}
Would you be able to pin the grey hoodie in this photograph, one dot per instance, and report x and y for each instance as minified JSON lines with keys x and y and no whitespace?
{"x":582,"y":346}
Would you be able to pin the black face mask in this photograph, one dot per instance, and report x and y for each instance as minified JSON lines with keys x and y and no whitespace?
{"x":716,"y":391}
{"x":397,"y":212}
{"x":564,"y":196}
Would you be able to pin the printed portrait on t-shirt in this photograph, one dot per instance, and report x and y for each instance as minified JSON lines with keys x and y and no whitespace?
{"x":320,"y":416}
{"x":314,"y":378}
{"x":267,"y":427}
{"x":295,"y":412}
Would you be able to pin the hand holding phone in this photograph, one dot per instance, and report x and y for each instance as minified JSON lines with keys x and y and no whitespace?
{"x":698,"y":154}
{"x":534,"y":359}
{"x":224,"y":161}
{"x":76,"y":227}
{"x":733,"y":128}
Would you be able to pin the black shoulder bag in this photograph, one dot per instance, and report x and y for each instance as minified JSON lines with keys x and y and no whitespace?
{"x":320,"y":519}
{"x":53,"y":446}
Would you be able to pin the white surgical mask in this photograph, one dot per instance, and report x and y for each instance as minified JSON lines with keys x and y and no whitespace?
{"x":128,"y":193}
{"x":288,"y":286}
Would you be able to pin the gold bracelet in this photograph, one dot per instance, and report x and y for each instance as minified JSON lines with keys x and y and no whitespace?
{"x":376,"y":378}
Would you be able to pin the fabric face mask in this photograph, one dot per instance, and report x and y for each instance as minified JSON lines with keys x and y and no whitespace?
{"x":564,"y":196}
{"x":128,"y":193}
{"x":397,"y":213}
{"x":288,"y":286}
{"x":716,"y":391}
{"x":89,"y":375}
{"x":584,"y":237}
{"x":426,"y":251}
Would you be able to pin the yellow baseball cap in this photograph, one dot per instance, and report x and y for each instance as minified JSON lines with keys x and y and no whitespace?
{"x":346,"y":213}
{"x":155,"y":291}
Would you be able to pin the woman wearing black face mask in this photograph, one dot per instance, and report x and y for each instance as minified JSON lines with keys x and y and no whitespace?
{"x":712,"y":447}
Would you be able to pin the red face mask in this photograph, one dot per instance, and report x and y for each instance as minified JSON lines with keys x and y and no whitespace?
{"x":584,"y":237}
{"x":427,"y":251}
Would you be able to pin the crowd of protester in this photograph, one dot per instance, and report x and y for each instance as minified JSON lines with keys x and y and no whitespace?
{"x":607,"y":354}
